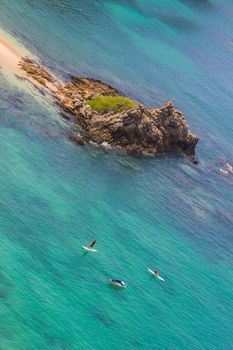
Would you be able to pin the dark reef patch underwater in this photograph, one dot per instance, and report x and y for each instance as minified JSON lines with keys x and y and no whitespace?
{"x":144,"y":212}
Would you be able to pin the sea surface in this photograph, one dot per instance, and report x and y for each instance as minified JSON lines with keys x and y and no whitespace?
{"x":159,"y":212}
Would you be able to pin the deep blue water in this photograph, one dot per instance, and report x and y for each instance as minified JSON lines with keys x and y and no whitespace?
{"x":144,"y":212}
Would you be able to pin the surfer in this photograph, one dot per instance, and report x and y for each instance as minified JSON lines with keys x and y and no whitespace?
{"x":156,"y":273}
{"x":92,"y":244}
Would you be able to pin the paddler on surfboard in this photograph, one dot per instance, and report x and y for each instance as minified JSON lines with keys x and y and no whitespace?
{"x":156,"y":274}
{"x":92,"y":244}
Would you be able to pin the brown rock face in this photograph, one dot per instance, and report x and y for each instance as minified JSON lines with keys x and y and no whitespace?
{"x":88,"y":88}
{"x":139,"y":130}
{"x":36,"y":72}
{"x":145,"y":131}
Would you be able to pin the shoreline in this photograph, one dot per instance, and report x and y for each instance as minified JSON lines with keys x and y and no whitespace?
{"x":11,"y":53}
{"x":9,"y":57}
{"x":125,"y":125}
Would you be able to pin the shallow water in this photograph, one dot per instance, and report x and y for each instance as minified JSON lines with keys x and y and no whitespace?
{"x":144,"y":212}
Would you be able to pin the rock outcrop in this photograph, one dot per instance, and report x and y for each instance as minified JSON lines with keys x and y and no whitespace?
{"x":138,"y":130}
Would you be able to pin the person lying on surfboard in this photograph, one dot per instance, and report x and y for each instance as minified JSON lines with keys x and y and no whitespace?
{"x":156,"y":272}
{"x":92,"y":244}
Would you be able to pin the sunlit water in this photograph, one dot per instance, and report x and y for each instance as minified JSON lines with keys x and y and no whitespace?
{"x":144,"y":212}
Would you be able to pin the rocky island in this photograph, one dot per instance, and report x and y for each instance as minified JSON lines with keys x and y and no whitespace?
{"x":105,"y":118}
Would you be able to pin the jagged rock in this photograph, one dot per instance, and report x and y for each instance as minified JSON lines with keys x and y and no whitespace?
{"x":77,"y":139}
{"x":88,"y":88}
{"x":36,"y":72}
{"x":78,"y":103}
{"x":138,"y":130}
{"x":143,"y":130}
{"x":193,"y":159}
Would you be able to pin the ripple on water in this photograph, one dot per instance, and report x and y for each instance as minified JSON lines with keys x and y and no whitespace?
{"x":104,"y":318}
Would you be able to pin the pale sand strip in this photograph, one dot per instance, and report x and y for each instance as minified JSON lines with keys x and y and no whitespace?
{"x":9,"y":58}
{"x":11,"y":52}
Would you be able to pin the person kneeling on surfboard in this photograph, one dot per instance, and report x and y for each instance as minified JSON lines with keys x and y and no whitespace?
{"x":92,"y":244}
{"x":156,"y":272}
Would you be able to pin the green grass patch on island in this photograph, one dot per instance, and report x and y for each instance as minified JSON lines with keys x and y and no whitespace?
{"x":104,"y":104}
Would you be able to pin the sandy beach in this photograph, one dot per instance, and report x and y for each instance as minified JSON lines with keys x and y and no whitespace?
{"x":11,"y":52}
{"x":9,"y":56}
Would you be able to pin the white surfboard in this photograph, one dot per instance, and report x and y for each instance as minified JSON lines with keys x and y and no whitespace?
{"x":159,"y":277}
{"x":89,"y":249}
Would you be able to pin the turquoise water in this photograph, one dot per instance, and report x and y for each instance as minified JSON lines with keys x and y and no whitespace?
{"x":157,"y":212}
